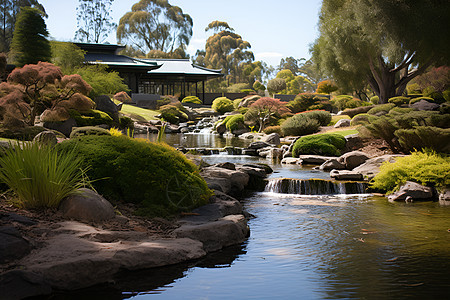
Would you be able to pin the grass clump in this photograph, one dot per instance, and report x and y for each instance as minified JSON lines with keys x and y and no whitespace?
{"x":156,"y":177}
{"x":319,"y":144}
{"x":426,"y":167}
{"x":299,"y":125}
{"x":39,"y":176}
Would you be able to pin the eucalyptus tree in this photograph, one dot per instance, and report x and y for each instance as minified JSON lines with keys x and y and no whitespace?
{"x":94,"y":20}
{"x":385,"y":43}
{"x":8,"y":12}
{"x":155,"y":25}
{"x":226,"y":50}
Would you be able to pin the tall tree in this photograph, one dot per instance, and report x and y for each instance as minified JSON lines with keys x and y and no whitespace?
{"x":155,"y":25}
{"x":8,"y":12}
{"x":291,"y":63}
{"x":226,"y":50}
{"x":386,"y":43}
{"x":94,"y":20}
{"x":29,"y":44}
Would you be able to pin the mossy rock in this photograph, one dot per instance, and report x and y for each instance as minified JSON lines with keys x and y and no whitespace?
{"x":21,"y":133}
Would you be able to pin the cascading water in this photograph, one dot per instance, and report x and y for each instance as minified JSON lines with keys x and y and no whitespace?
{"x":314,"y":186}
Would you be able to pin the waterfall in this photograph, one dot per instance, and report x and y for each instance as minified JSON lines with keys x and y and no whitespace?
{"x":314,"y":186}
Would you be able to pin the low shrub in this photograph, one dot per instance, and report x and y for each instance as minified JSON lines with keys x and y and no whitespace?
{"x":423,"y":137}
{"x":234,"y":122}
{"x":304,"y":101}
{"x":374,"y":100}
{"x":39,"y":176}
{"x":192,"y":99}
{"x":426,"y":168}
{"x":173,"y":114}
{"x":323,"y":117}
{"x":360,"y":119}
{"x":21,"y":133}
{"x":91,"y":118}
{"x":399,"y":100}
{"x":319,"y":144}
{"x":155,"y":176}
{"x":414,"y":100}
{"x":222,"y":105}
{"x":381,"y":108}
{"x":400,"y":110}
{"x":273,"y":129}
{"x":88,"y":130}
{"x":351,"y":112}
{"x":299,"y":125}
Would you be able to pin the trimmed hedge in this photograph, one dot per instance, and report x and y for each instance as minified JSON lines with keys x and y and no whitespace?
{"x":319,"y":144}
{"x":399,"y":100}
{"x":88,"y":130}
{"x":192,"y":99}
{"x":385,"y":108}
{"x":155,"y":176}
{"x":91,"y":118}
{"x":299,"y":125}
{"x":222,"y":105}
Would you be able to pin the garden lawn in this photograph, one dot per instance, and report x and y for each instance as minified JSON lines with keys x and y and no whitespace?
{"x":132,"y":111}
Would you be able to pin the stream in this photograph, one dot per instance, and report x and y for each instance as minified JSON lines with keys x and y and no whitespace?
{"x":332,"y":246}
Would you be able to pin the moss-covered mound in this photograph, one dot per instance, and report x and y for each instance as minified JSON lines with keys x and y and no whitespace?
{"x":319,"y":144}
{"x":155,"y":176}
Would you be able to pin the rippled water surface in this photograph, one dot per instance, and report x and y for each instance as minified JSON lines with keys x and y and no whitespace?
{"x":315,"y":247}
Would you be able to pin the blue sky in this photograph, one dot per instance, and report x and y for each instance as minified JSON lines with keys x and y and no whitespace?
{"x":275,"y":29}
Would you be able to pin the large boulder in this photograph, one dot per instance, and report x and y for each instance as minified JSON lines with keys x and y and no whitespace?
{"x":227,"y":181}
{"x":372,"y":166}
{"x":425,"y":105}
{"x":273,"y":139}
{"x":444,"y":197}
{"x":332,"y":164}
{"x":105,"y":104}
{"x":412,"y":191}
{"x":353,"y":159}
{"x":64,"y":127}
{"x":87,"y":205}
{"x":47,"y":137}
{"x":20,"y":284}
{"x":226,"y":231}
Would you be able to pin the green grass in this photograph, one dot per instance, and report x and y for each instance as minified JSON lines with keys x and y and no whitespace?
{"x":39,"y":176}
{"x":146,"y":114}
{"x":343,"y":131}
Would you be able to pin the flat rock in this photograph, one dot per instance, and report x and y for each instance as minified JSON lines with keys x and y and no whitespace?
{"x":72,"y":259}
{"x":345,"y":175}
{"x":291,"y":161}
{"x":226,"y":231}
{"x":258,"y":145}
{"x":87,"y":205}
{"x":314,"y":159}
{"x":414,"y":190}
{"x":12,"y":245}
{"x":228,"y":181}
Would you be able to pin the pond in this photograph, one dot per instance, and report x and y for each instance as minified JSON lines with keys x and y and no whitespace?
{"x":355,"y":246}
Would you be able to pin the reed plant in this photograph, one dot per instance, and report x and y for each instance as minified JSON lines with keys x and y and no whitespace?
{"x":39,"y":176}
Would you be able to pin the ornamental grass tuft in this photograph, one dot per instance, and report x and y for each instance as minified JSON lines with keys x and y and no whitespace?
{"x":39,"y":176}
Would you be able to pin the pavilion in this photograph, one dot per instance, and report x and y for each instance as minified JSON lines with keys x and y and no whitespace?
{"x":152,"y":75}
